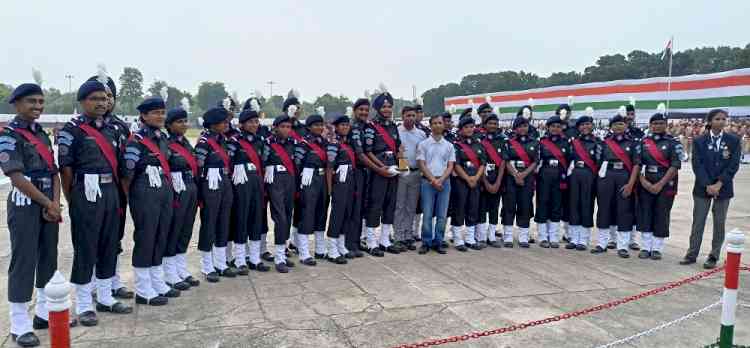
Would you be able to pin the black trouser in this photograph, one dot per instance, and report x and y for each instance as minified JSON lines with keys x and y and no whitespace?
{"x":151,"y":210}
{"x":517,"y":201}
{"x":451,"y":199}
{"x":183,"y":218}
{"x":343,"y":199}
{"x":549,"y":196}
{"x":353,"y":226}
{"x":489,"y":204}
{"x":565,"y":198}
{"x":613,"y":209}
{"x":581,"y":200}
{"x":381,"y":203}
{"x":33,"y":248}
{"x":95,"y":232}
{"x":123,"y":207}
{"x":654,"y":210}
{"x":313,"y":205}
{"x":281,"y":197}
{"x":466,"y":207}
{"x":215,"y":214}
{"x":248,"y":209}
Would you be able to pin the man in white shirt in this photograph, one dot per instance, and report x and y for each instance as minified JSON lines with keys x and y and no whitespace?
{"x":407,"y":193}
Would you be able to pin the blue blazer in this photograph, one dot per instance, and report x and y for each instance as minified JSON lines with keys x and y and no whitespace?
{"x":711,"y":166}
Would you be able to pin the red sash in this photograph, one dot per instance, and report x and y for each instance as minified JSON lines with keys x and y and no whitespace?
{"x":250,"y":151}
{"x":386,"y":137}
{"x":182,"y":151}
{"x":219,"y":151}
{"x":552,"y":148}
{"x":350,"y":153}
{"x":293,"y":133}
{"x":470,"y":154}
{"x":44,"y":151}
{"x":584,"y":155}
{"x":104,"y":146}
{"x":284,"y":158}
{"x":492,"y":153}
{"x":520,"y":151}
{"x":318,"y":151}
{"x":159,"y":155}
{"x":620,"y":153}
{"x":655,"y":153}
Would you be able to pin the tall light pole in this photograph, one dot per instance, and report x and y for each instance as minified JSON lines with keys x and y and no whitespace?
{"x":70,"y":90}
{"x":270,"y":86}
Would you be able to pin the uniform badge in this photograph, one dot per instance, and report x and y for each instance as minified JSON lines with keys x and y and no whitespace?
{"x":130,"y":164}
{"x":63,"y":150}
{"x":627,"y":148}
{"x":664,"y":147}
{"x":725,"y":154}
{"x":4,"y":157}
{"x":531,"y":148}
{"x":710,"y":147}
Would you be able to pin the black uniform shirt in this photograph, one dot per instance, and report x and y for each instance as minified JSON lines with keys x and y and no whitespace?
{"x":635,"y":133}
{"x":236,"y":152}
{"x":137,"y":156}
{"x":374,"y":141}
{"x":19,"y":155}
{"x":336,"y":154}
{"x":305,"y":157}
{"x":546,"y":155}
{"x":357,"y":138}
{"x":670,"y":150}
{"x":529,"y":144}
{"x":462,"y":158}
{"x":270,"y":157}
{"x":299,"y":127}
{"x":569,"y":129}
{"x":78,"y":150}
{"x":176,"y":162}
{"x":591,"y":144}
{"x":205,"y":154}
{"x":497,"y":139}
{"x":627,"y":144}
{"x":122,"y":129}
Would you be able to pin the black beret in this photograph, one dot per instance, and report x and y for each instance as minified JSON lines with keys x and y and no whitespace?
{"x":214,"y":116}
{"x":281,"y":119}
{"x":417,"y":108}
{"x":381,"y":99}
{"x":484,"y":107}
{"x":519,"y":121}
{"x":340,"y":119}
{"x":447,"y":115}
{"x":150,"y":104}
{"x":110,"y":84}
{"x":657,"y":117}
{"x":24,"y":90}
{"x":175,"y":114}
{"x":360,"y":102}
{"x":407,"y":108}
{"x":313,"y":119}
{"x":583,"y":119}
{"x":466,"y":121}
{"x":89,"y":87}
{"x":561,"y":107}
{"x":520,"y":111}
{"x":615,"y":119}
{"x":629,"y":108}
{"x":248,"y":114}
{"x":491,"y":117}
{"x":554,"y":119}
{"x":289,"y":102}
{"x":464,"y":113}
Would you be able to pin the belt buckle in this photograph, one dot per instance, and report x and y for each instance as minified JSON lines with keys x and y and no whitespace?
{"x":280,"y":168}
{"x":553,"y":163}
{"x":105,"y":178}
{"x":580,"y":164}
{"x":617,"y":165}
{"x":519,"y":164}
{"x":490,"y":167}
{"x":251,"y":167}
{"x":468,"y":164}
{"x":652,"y":169}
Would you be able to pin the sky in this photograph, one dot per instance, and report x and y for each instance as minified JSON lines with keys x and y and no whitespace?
{"x":343,"y":47}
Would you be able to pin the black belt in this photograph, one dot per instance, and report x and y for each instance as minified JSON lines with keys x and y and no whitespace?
{"x":106,"y":178}
{"x":616,"y":165}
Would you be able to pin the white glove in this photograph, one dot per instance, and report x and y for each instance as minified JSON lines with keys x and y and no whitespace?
{"x":269,"y":175}
{"x":307,"y":174}
{"x":342,"y":170}
{"x":177,"y":184}
{"x":91,"y":187}
{"x":603,"y":169}
{"x":570,"y":167}
{"x":154,"y":178}
{"x":239,"y":177}
{"x":214,"y":176}
{"x":393,"y":170}
{"x":19,"y":197}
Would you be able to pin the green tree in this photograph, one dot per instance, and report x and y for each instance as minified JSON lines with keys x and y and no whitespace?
{"x":174,"y":95}
{"x":209,"y":94}
{"x":131,"y":90}
{"x":5,"y":91}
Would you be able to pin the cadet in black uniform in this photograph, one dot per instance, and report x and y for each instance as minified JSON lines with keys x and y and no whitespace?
{"x":469,"y":168}
{"x":215,"y":195}
{"x":520,"y":156}
{"x":492,"y":143}
{"x":554,"y":154}
{"x":280,"y":177}
{"x":527,"y":112}
{"x":184,"y":169}
{"x":89,"y":165}
{"x":292,"y":107}
{"x":146,"y":178}
{"x":569,"y":131}
{"x":637,"y":135}
{"x":310,"y":159}
{"x":660,"y":157}
{"x":585,"y":159}
{"x":382,"y":143}
{"x":614,"y":190}
{"x":365,"y":167}
{"x":33,"y":209}
{"x":340,"y":180}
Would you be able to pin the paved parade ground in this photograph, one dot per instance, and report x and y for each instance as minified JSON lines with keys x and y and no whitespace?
{"x":382,"y":302}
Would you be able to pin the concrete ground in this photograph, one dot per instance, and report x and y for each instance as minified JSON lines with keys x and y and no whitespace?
{"x":382,"y":302}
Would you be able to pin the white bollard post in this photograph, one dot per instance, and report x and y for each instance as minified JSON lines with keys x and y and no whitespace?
{"x":57,"y":291}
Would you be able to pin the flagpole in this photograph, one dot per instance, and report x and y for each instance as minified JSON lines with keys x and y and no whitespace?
{"x":669,"y":77}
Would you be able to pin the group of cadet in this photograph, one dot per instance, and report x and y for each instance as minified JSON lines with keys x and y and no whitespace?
{"x":369,"y":173}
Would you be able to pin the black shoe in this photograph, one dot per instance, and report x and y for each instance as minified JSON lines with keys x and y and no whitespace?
{"x":260,"y":267}
{"x":308,"y":262}
{"x":123,"y":293}
{"x":390,"y":249}
{"x":292,"y":248}
{"x":634,"y":246}
{"x":212,"y":277}
{"x":544,"y":244}
{"x":289,"y":264}
{"x":357,"y":253}
{"x":461,"y":248}
{"x":28,"y":339}
{"x":611,"y":245}
{"x":88,"y":318}
{"x":623,"y":253}
{"x":268,"y":257}
{"x":644,"y":254}
{"x":243,"y":270}
{"x":229,"y":272}
{"x":655,"y":255}
{"x":565,"y":239}
{"x":482,"y":245}
{"x":182,"y":286}
{"x":424,"y":249}
{"x":710,"y":263}
{"x":399,"y":246}
{"x":494,"y":244}
{"x":172,"y":293}
{"x":411,"y":245}
{"x":231,"y":264}
{"x":116,"y":308}
{"x":532,"y":240}
{"x":498,"y":233}
{"x":338,"y":260}
{"x":39,"y":323}
{"x":444,"y":245}
{"x":247,"y":260}
{"x":688,"y":261}
{"x":598,"y":250}
{"x":570,"y":246}
{"x":320,"y":256}
{"x":474,"y":246}
{"x":554,"y":245}
{"x":418,"y":238}
{"x":581,"y":247}
{"x":508,"y":245}
{"x":282,"y":268}
{"x":363,"y":246}
{"x":524,"y":245}
{"x":440,"y":250}
{"x":376,"y":252}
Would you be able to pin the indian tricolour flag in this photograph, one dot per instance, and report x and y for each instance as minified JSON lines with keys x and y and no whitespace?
{"x":697,"y":94}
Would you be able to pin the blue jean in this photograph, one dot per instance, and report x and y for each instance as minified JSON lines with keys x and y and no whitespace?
{"x":434,"y":203}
